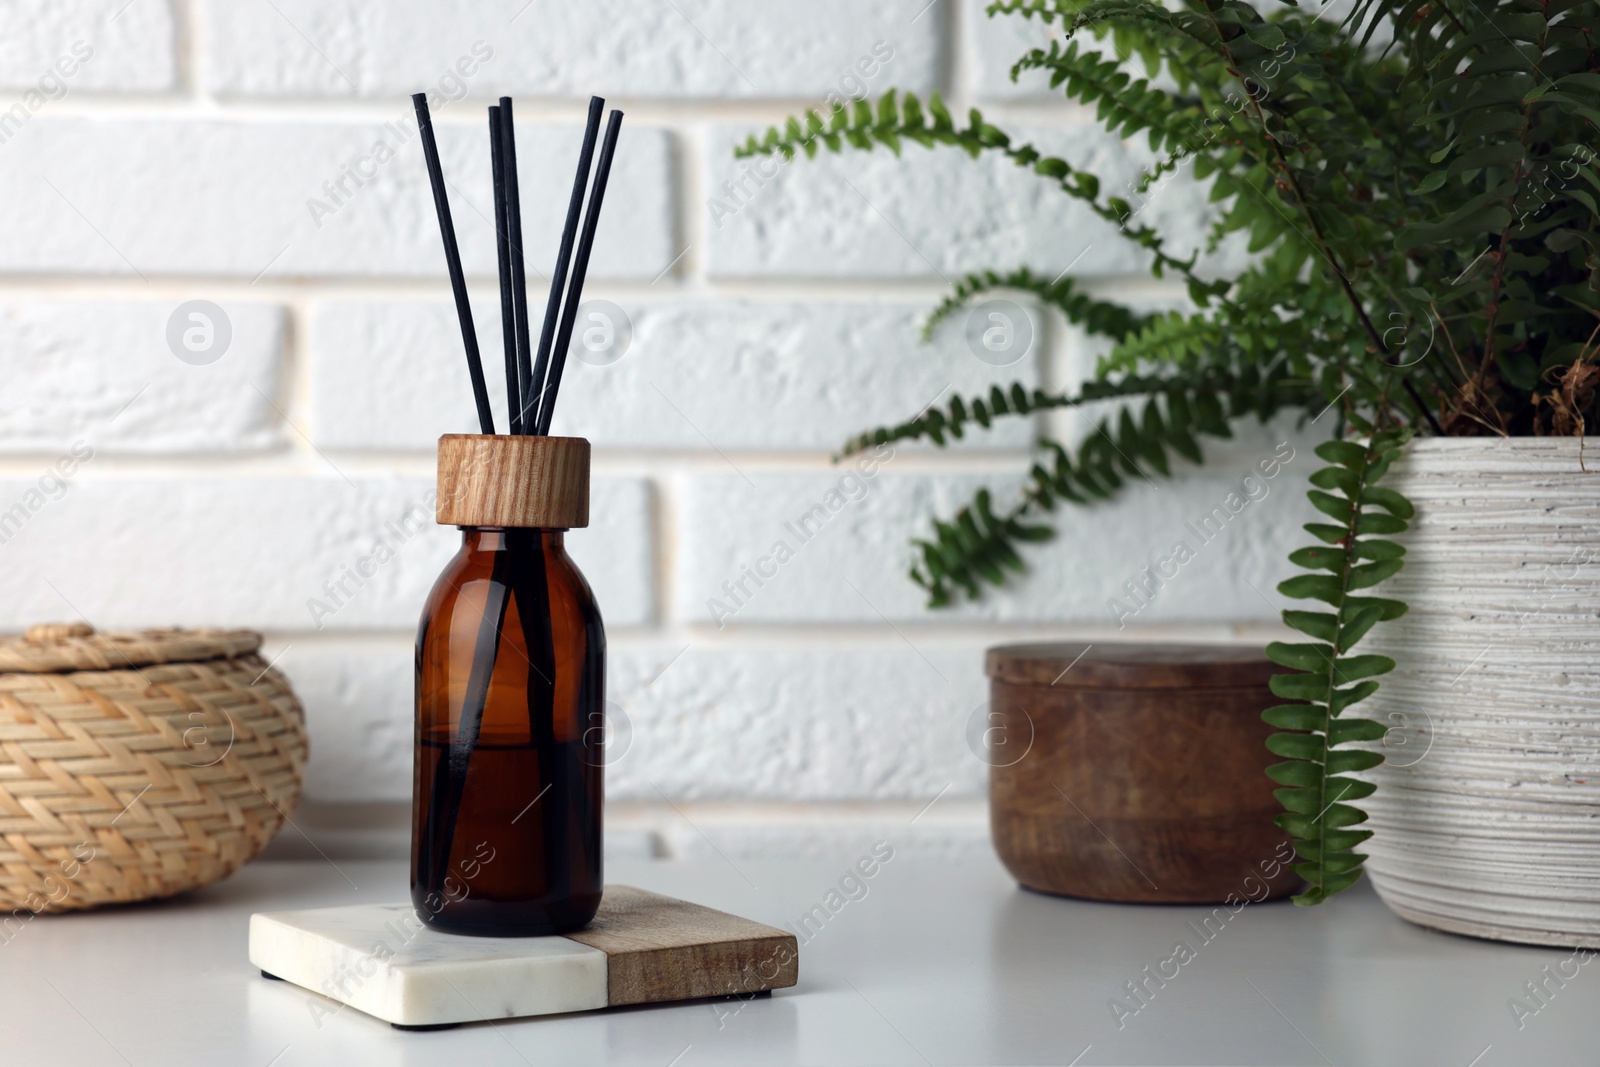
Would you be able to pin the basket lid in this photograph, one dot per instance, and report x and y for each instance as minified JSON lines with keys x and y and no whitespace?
{"x":1129,"y":665}
{"x":52,"y":647}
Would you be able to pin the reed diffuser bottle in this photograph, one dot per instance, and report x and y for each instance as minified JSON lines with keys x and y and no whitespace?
{"x":510,"y":698}
{"x":506,"y":792}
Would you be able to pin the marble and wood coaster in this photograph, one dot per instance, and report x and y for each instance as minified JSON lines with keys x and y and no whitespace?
{"x":641,"y":948}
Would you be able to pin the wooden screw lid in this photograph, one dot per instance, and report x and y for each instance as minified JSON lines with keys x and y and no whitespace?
{"x":1129,"y":665}
{"x":507,"y":480}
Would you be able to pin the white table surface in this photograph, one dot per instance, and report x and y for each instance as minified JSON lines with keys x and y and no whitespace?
{"x":939,"y":963}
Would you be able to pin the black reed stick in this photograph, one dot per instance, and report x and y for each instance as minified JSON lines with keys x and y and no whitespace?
{"x":497,"y":157}
{"x":452,"y":259}
{"x":580,"y":268}
{"x":532,"y":591}
{"x":530,"y":585}
{"x":450,"y":777}
{"x":519,"y":277}
{"x":558,"y":279}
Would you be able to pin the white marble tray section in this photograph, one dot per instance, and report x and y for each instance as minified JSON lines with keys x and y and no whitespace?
{"x":381,"y":959}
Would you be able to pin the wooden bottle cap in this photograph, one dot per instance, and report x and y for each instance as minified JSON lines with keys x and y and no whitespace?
{"x":507,"y":480}
{"x":1130,"y":665}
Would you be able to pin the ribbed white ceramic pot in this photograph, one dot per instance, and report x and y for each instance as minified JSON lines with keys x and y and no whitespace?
{"x":1487,"y":814}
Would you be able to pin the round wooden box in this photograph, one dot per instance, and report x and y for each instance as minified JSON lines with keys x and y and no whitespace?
{"x":1135,"y":772}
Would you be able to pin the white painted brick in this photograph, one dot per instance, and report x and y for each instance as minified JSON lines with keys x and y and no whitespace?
{"x":853,"y":568}
{"x":254,"y":551}
{"x":931,"y":213}
{"x":698,"y":374}
{"x":791,"y":722}
{"x":392,"y":374}
{"x":103,"y":372}
{"x":127,"y":46}
{"x":360,"y":714}
{"x":233,"y":198}
{"x":690,"y":48}
{"x":616,"y":551}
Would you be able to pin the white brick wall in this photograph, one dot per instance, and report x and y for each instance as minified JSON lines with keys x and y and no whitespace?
{"x":705,"y":49}
{"x":262,"y":157}
{"x":247,"y":199}
{"x":696,"y":371}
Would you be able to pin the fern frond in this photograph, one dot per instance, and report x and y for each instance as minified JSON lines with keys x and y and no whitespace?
{"x":1099,"y":317}
{"x":1046,"y":11}
{"x":1173,"y":338}
{"x":1124,"y":105}
{"x":940,"y":425}
{"x":1327,"y":680}
{"x":899,"y":118}
{"x":979,"y":547}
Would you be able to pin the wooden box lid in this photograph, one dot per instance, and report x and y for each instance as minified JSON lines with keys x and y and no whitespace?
{"x":1129,"y":665}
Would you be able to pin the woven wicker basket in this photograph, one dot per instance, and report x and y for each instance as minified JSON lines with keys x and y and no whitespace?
{"x":139,"y":765}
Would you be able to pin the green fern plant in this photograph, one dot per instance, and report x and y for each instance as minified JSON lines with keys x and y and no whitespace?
{"x":1329,"y":681}
{"x":1425,"y":258}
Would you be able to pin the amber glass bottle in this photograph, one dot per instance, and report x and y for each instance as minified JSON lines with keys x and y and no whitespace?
{"x":507,"y":790}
